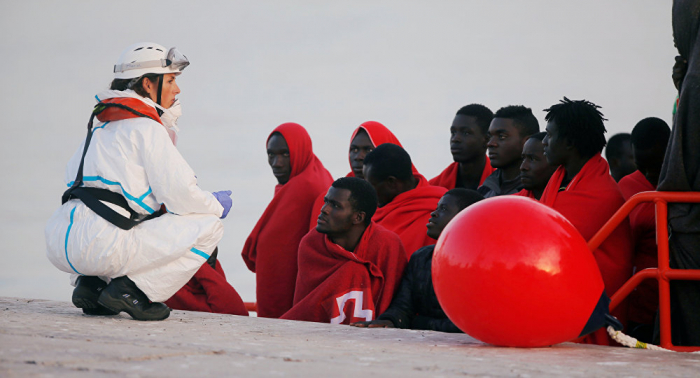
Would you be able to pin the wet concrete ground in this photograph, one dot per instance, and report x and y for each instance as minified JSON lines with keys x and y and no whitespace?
{"x":40,"y":338}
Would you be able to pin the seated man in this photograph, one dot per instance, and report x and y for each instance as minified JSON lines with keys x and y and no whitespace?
{"x":583,"y":191}
{"x":535,"y":171}
{"x":208,"y":291}
{"x":468,"y":147}
{"x":364,"y":139}
{"x":649,"y":139}
{"x":507,"y":134}
{"x":349,"y":267}
{"x":271,"y":248}
{"x":405,"y":198}
{"x":618,"y":152}
{"x":415,"y":304}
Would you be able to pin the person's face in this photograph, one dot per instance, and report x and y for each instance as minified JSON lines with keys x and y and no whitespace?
{"x":360,"y":146}
{"x":555,"y":147}
{"x":384,"y":189}
{"x":625,"y":162}
{"x":534,"y":170}
{"x":447,"y":208}
{"x":169,"y":92}
{"x":467,"y":141}
{"x":505,"y":145}
{"x":278,"y":158}
{"x":337,"y":214}
{"x":649,"y":162}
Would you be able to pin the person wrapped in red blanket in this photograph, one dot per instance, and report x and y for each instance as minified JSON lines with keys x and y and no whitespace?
{"x":364,"y":139}
{"x":535,"y":171}
{"x":271,"y":249}
{"x":649,"y":139}
{"x":468,"y":138}
{"x":405,"y":198}
{"x":208,"y":291}
{"x":349,"y":267}
{"x":583,"y":191}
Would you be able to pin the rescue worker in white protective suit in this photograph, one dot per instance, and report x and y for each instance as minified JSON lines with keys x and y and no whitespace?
{"x":155,"y":226}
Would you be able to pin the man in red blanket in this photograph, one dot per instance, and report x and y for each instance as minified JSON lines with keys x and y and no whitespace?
{"x":535,"y":171}
{"x":468,"y":147}
{"x":649,"y":139}
{"x":349,"y":267}
{"x":208,"y":291}
{"x":405,"y":197}
{"x":508,"y":132}
{"x":271,"y":248}
{"x":364,"y":139}
{"x":583,"y":191}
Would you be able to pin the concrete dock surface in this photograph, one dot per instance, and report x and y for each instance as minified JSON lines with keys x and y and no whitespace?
{"x":40,"y":338}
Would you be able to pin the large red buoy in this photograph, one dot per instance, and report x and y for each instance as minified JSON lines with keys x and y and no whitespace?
{"x":510,"y":271}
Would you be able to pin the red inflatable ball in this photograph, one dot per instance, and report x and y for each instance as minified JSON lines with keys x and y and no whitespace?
{"x":511,"y":271}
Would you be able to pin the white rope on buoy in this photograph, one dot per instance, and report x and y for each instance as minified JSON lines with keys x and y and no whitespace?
{"x":631,"y":342}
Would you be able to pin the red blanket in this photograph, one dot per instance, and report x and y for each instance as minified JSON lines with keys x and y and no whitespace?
{"x":208,"y":291}
{"x":448,"y":178}
{"x":526,"y":193}
{"x":378,"y":134}
{"x":271,"y":249}
{"x":408,"y":213}
{"x":340,"y":287}
{"x":644,"y":301}
{"x":590,"y":199}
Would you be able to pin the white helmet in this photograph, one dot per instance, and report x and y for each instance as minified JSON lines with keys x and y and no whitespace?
{"x":147,"y":57}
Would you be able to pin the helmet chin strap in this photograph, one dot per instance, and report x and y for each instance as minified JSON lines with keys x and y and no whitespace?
{"x":160,"y":91}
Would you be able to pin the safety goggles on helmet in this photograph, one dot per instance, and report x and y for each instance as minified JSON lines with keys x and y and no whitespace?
{"x":175,"y":61}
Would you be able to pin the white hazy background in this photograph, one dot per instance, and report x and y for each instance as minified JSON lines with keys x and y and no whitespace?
{"x":326,"y":65}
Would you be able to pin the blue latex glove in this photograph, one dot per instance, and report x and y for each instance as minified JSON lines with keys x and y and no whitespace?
{"x":224,"y":198}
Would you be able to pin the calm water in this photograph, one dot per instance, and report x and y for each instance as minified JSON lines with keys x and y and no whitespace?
{"x":328,"y":67}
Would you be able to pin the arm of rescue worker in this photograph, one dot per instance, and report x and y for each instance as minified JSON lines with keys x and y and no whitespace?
{"x":434,"y":324}
{"x":172,"y":180}
{"x":221,"y":297}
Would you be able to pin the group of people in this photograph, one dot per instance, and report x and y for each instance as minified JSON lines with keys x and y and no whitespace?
{"x":348,"y":265}
{"x":138,"y":235}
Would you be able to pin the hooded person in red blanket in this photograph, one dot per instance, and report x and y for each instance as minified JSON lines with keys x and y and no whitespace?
{"x":405,"y":197}
{"x":349,"y":267}
{"x":649,"y":139}
{"x":271,"y":248}
{"x":208,"y":291}
{"x":535,"y":171}
{"x":468,"y":147}
{"x":583,"y":191}
{"x":364,"y":139}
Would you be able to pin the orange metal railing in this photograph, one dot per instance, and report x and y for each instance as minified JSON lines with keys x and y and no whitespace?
{"x":663,"y":273}
{"x":251,"y":306}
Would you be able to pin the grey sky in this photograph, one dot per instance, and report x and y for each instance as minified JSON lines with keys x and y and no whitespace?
{"x":326,"y":65}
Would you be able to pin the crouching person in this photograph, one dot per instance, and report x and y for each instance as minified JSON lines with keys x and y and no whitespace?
{"x":349,"y":267}
{"x":415,"y":304}
{"x":134,"y":226}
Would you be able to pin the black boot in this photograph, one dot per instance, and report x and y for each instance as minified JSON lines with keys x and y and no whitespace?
{"x":85,"y":295}
{"x":122,"y":294}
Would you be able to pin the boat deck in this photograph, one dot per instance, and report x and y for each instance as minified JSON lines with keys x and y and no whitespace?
{"x":40,"y":338}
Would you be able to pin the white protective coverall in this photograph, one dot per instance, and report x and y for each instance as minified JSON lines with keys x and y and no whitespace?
{"x":136,"y":158}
